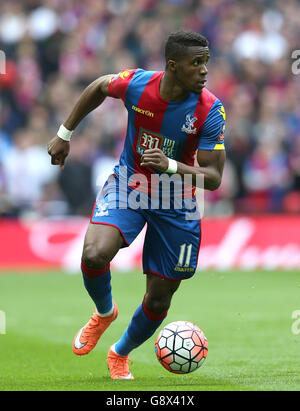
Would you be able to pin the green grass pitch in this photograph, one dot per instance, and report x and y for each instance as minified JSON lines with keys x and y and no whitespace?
{"x":246,"y":316}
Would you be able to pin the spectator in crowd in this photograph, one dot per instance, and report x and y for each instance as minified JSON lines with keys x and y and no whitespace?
{"x":55,"y":48}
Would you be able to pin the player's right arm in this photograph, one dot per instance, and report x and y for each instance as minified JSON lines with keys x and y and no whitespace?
{"x":91,"y":98}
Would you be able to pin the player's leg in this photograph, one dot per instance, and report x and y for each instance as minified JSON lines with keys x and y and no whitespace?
{"x":149,"y":315}
{"x":170,"y":254}
{"x":159,"y":293}
{"x":101,"y":244}
{"x":111,"y":228}
{"x":145,"y":321}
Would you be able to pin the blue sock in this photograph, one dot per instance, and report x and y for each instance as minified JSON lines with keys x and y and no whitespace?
{"x":142,"y":326}
{"x":97,"y":284}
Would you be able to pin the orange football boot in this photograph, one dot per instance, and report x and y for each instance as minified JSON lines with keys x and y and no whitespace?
{"x":88,"y":336}
{"x":118,"y":366}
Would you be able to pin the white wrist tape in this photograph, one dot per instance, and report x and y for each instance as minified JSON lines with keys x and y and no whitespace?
{"x":172,"y":168}
{"x":64,"y":133}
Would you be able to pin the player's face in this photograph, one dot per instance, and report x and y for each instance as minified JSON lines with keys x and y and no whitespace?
{"x":192,"y":69}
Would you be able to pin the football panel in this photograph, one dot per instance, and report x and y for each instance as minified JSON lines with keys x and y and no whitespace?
{"x":179,"y":323}
{"x":197,"y":338}
{"x":175,"y":367}
{"x":204,"y":352}
{"x":185,"y":332}
{"x":201,"y":362}
{"x":194,"y":366}
{"x":184,"y":353}
{"x":196,"y":328}
{"x":196,"y":351}
{"x":171,"y":327}
{"x":205,"y":344}
{"x":164,"y":352}
{"x":178,"y":342}
{"x":192,"y":326}
{"x":170,"y":342}
{"x":188,"y":343}
{"x":200,"y":339}
{"x":182,"y":356}
{"x":185,"y":368}
{"x":162,"y":342}
{"x":167,"y":332}
{"x":168,"y":360}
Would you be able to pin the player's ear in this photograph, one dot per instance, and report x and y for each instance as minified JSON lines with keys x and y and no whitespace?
{"x":172,"y":65}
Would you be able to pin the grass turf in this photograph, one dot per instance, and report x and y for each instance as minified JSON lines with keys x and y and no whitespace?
{"x":246,"y":316}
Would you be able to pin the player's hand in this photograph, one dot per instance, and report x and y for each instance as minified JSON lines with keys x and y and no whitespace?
{"x":155,"y":158}
{"x":58,"y":149}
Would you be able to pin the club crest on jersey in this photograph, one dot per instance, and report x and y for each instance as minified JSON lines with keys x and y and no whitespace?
{"x":188,"y":127}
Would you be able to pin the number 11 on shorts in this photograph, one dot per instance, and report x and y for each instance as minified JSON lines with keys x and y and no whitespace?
{"x":185,"y":251}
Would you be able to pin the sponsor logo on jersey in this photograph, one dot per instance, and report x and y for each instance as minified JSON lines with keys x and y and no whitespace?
{"x":142,"y":111}
{"x":149,"y":139}
{"x":188,"y":127}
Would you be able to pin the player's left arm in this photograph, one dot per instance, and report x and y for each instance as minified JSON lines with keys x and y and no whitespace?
{"x":211,"y":164}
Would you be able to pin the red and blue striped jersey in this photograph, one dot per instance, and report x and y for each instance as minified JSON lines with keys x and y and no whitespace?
{"x":178,"y":128}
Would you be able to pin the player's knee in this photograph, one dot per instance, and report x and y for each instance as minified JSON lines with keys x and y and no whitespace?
{"x":93,"y":257}
{"x":158,"y":305}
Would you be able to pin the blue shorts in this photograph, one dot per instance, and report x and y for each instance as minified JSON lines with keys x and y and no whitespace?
{"x":172,"y":242}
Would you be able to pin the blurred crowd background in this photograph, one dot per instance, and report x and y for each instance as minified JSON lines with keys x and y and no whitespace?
{"x":55,"y":48}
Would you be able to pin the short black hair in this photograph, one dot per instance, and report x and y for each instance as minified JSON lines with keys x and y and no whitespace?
{"x":178,"y":42}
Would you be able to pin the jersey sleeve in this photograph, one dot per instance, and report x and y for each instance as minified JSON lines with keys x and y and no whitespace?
{"x":212,"y":133}
{"x":118,"y":84}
